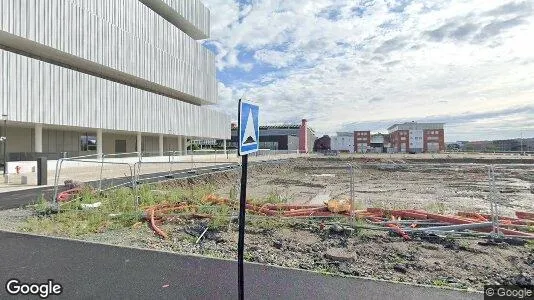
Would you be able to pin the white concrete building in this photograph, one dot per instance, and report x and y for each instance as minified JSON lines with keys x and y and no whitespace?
{"x":343,"y":141}
{"x":131,"y":73}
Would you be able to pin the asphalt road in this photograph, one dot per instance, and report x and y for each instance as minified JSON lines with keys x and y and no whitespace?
{"x":15,"y":199}
{"x":20,"y":198}
{"x":95,"y":271}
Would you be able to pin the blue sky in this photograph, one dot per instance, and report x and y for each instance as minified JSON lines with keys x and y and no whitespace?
{"x":355,"y":65}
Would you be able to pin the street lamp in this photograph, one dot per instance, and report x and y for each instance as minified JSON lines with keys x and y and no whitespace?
{"x":4,"y":140}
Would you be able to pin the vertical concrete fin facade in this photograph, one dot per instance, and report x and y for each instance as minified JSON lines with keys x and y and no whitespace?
{"x":190,"y":16}
{"x":124,"y":41}
{"x":108,"y":67}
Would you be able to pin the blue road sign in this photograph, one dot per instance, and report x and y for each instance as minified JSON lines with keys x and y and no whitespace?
{"x":249,"y":127}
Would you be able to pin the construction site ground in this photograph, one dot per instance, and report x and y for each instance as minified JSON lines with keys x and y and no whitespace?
{"x":340,"y":245}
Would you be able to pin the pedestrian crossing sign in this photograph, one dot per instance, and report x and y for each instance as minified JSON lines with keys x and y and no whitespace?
{"x":248,"y":127}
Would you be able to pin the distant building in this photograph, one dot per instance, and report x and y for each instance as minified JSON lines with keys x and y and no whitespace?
{"x":379,"y":143}
{"x":343,"y":142}
{"x":291,"y":137}
{"x":416,"y":137}
{"x":322,"y":144}
{"x":362,"y":140}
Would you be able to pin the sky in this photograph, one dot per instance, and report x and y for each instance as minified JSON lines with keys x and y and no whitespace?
{"x":365,"y":65}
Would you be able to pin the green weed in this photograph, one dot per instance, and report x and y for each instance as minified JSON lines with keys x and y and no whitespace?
{"x":439,"y":282}
{"x":220,"y":218}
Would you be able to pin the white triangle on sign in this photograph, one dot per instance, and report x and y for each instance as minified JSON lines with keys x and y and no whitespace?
{"x":250,"y":134}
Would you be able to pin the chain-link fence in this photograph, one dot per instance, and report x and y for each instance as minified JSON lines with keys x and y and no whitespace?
{"x":389,"y":217}
{"x":131,"y":169}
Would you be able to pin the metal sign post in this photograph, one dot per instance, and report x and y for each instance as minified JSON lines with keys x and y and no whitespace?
{"x":241,"y":238}
{"x":249,"y":142}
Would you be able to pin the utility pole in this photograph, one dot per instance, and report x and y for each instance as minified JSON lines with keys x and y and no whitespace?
{"x":521,"y":142}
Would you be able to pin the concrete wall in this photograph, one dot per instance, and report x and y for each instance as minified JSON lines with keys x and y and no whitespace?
{"x":293,"y":143}
{"x":60,"y":141}
{"x":108,"y":145}
{"x":19,"y":139}
{"x":150,"y":144}
{"x":170,"y":143}
{"x":22,"y":139}
{"x":56,"y":141}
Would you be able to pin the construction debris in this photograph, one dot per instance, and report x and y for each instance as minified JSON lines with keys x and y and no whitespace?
{"x":338,"y":206}
{"x":400,"y":222}
{"x":68,"y":195}
{"x":91,"y":205}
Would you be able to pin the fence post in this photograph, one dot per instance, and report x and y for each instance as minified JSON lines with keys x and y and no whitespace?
{"x":55,"y":205}
{"x":42,"y":171}
{"x":101,"y":171}
{"x":351,"y":172}
{"x":496,"y":231}
{"x":170,"y":163}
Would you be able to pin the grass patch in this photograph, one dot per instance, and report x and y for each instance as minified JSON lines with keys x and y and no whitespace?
{"x":326,"y":271}
{"x":268,"y":223}
{"x":118,"y":210}
{"x":42,"y":207}
{"x":436,"y":207}
{"x":274,"y":197}
{"x":220,"y":217}
{"x":439,"y":282}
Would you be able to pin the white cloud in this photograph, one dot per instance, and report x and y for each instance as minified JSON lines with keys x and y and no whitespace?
{"x":278,"y":59}
{"x":340,"y":65}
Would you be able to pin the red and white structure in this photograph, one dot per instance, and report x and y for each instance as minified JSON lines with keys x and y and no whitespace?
{"x":413,"y":137}
{"x":303,"y":137}
{"x":362,"y":140}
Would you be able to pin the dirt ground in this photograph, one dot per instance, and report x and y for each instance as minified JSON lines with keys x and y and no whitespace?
{"x":394,"y":184}
{"x":337,"y":247}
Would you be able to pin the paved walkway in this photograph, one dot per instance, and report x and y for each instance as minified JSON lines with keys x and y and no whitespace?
{"x":95,"y":271}
{"x":85,"y":170}
{"x":19,"y":198}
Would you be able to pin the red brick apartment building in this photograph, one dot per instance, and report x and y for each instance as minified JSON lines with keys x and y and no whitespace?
{"x":362,"y":139}
{"x":416,"y":137}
